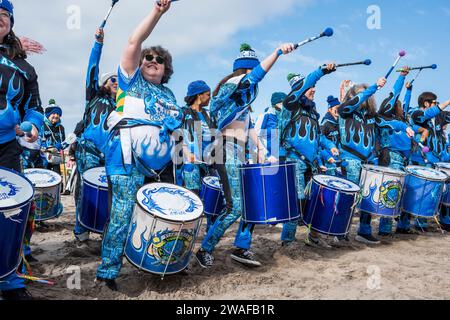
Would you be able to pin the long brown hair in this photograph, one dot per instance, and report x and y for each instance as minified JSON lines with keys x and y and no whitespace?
{"x":14,"y":46}
{"x":237,"y":73}
{"x":370,"y":105}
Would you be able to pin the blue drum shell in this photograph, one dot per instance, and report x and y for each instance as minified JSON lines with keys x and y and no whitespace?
{"x":269,"y":193}
{"x":45,"y":210}
{"x":322,"y":216}
{"x":95,"y":211}
{"x":446,"y":196}
{"x":421,"y":197}
{"x":213,"y":201}
{"x":11,"y":239}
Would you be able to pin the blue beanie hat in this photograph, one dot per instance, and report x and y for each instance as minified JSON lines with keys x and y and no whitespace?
{"x":278,"y":97}
{"x":332,"y":102}
{"x":247,"y":58}
{"x":52,"y":108}
{"x":8,"y":6}
{"x":197,"y":87}
{"x":293,"y":78}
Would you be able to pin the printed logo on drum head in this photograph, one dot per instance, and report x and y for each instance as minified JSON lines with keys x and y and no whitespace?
{"x":11,"y":189}
{"x":170,"y":247}
{"x":44,"y":203}
{"x":390,"y":193}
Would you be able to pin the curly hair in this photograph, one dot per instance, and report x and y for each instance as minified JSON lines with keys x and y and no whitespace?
{"x":165,"y":54}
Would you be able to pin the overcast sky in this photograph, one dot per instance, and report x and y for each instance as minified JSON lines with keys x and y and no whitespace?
{"x":204,"y":37}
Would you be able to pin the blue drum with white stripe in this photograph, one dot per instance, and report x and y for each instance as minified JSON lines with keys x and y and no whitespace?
{"x":212,"y":196}
{"x":330,"y":204}
{"x":164,"y":226}
{"x":94,"y":202}
{"x":269,"y":193}
{"x":445,"y":167}
{"x":16,"y":194}
{"x":423,"y":191}
{"x":47,"y":185}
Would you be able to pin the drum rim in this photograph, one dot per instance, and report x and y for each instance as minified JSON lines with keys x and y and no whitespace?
{"x":266,"y":165}
{"x":19,"y":205}
{"x":85,"y":180}
{"x":165,"y":219}
{"x":47,"y":186}
{"x":427,"y":178}
{"x":208,"y":185}
{"x":335,"y":189}
{"x":95,"y":186}
{"x":393,"y":172}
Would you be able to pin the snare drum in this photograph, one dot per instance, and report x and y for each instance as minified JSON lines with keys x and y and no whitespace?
{"x":330,"y":204}
{"x":269,"y":193}
{"x":445,"y":167}
{"x":94,"y":202}
{"x":16,"y":194}
{"x":47,"y":185}
{"x":382,"y":189}
{"x":423,"y":191}
{"x":165,"y":224}
{"x":212,"y":196}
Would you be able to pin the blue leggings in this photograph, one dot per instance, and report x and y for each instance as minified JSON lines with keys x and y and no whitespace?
{"x":124,"y":190}
{"x":234,"y":155}
{"x":290,"y":228}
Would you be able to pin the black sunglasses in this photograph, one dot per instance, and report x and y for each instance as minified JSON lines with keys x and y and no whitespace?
{"x":113,"y":80}
{"x":150,"y":57}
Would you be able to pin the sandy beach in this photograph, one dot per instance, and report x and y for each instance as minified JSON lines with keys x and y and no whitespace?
{"x":402,"y":267}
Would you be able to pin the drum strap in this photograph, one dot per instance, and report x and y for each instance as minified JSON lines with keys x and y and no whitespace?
{"x":355,"y":153}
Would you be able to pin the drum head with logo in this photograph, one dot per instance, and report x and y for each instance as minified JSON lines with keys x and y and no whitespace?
{"x":426,"y":173}
{"x":213,"y":182}
{"x":42,"y":178}
{"x":15,"y":189}
{"x":96,"y":177}
{"x":387,"y":170}
{"x":170,"y":202}
{"x":336,"y":183}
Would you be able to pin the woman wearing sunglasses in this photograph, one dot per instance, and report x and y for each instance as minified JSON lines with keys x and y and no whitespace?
{"x":100,"y":102}
{"x":140,"y":142}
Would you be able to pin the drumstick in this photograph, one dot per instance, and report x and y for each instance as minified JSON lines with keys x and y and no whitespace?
{"x":328,"y":32}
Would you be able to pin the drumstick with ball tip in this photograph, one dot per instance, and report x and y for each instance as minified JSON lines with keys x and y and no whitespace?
{"x":367,"y":62}
{"x":401,"y":54}
{"x":114,"y":2}
{"x":433,"y":66}
{"x":328,"y":32}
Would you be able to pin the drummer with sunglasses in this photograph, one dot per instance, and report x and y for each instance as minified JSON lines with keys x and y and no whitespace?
{"x":140,"y":142}
{"x":100,"y":102}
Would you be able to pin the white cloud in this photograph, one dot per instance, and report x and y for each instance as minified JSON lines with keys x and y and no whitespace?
{"x":190,"y":27}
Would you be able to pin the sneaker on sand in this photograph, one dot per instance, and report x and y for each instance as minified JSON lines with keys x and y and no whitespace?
{"x":245,"y":257}
{"x":82,"y":237}
{"x":367,"y":239}
{"x":204,"y":258}
{"x":316,"y":242}
{"x":109,"y":283}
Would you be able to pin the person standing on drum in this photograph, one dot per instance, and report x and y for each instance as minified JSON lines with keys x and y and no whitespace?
{"x":395,"y":142}
{"x":146,"y":111}
{"x":230,"y":110}
{"x":19,"y":102}
{"x":302,"y":140}
{"x":53,"y":137}
{"x":432,"y":116}
{"x":197,"y":137}
{"x":100,"y":102}
{"x":330,"y":130}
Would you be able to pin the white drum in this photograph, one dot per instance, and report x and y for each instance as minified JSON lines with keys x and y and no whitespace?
{"x":165,"y":224}
{"x":382,"y":189}
{"x":47,"y":196}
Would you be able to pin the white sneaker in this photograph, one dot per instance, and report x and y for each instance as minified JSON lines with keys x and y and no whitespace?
{"x":83,"y":237}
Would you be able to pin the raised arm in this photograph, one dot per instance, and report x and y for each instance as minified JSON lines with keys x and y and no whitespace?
{"x":93,"y":66}
{"x":131,"y":56}
{"x":387,"y":108}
